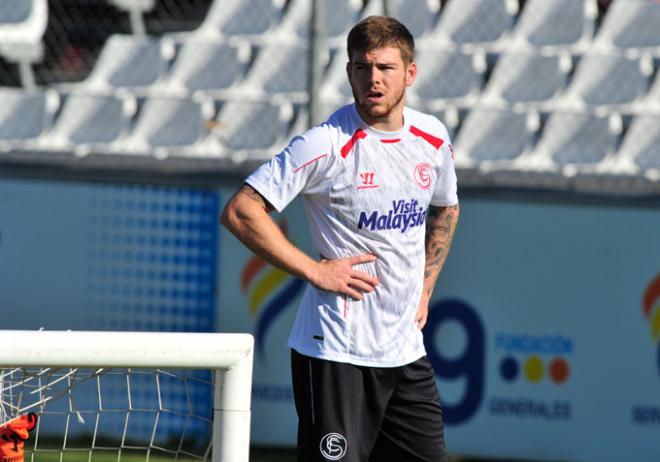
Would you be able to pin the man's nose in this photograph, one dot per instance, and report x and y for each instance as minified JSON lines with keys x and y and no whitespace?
{"x":374,"y":74}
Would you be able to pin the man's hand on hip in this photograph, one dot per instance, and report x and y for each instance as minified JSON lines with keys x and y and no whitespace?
{"x":339,"y":276}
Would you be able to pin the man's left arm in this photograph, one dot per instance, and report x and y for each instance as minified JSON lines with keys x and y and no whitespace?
{"x":440,"y":226}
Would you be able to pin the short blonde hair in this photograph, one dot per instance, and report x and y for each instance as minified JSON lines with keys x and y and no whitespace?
{"x":379,"y":32}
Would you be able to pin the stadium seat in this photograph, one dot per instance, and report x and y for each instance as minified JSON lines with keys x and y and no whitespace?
{"x":22,"y":27}
{"x":420,"y":17}
{"x":445,"y":74}
{"x":483,"y":22}
{"x":651,"y":101}
{"x":88,"y":121}
{"x":278,"y":69}
{"x":167,"y":125}
{"x":335,"y":89}
{"x":207,"y":65}
{"x":578,"y":138}
{"x":246,"y":18}
{"x":254,"y":125}
{"x":24,"y":115}
{"x":610,"y":79}
{"x":340,"y":16}
{"x":631,"y":24}
{"x":527,"y":77}
{"x":556,"y":23}
{"x":493,"y":135}
{"x":129,"y":62}
{"x":640,"y":148}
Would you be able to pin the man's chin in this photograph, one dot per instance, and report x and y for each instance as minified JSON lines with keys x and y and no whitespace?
{"x":375,"y":112}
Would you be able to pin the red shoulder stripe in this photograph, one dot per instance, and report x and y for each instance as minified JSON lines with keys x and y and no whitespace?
{"x":358,"y":135}
{"x":435,"y":142}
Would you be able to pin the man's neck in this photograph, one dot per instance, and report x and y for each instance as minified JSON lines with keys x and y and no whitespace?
{"x":392,"y":122}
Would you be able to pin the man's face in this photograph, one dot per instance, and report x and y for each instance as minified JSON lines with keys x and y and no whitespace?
{"x":379,"y":79}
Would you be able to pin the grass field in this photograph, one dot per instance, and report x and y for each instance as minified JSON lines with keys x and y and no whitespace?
{"x":256,"y":455}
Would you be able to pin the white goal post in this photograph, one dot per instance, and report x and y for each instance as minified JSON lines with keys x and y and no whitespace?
{"x":229,"y":356}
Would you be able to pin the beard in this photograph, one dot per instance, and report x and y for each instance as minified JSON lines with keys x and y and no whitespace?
{"x":381,"y":110}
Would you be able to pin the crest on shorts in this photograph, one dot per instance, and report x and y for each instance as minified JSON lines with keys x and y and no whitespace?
{"x":423,"y":176}
{"x":333,"y":446}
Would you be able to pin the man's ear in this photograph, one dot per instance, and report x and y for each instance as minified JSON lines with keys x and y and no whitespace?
{"x":411,"y":73}
{"x":348,"y":70}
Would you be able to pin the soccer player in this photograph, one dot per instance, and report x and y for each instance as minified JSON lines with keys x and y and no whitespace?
{"x":379,"y":191}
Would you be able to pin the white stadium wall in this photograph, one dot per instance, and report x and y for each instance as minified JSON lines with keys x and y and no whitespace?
{"x":541,"y":328}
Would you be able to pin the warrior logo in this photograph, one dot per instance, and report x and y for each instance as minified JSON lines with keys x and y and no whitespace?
{"x":333,"y":446}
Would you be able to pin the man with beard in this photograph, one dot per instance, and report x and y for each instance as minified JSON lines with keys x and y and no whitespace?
{"x":379,"y":190}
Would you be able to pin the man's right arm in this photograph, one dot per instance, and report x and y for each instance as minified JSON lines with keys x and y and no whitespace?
{"x":246,"y":215}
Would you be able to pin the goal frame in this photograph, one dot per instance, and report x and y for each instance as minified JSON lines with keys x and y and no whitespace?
{"x":230,"y":356}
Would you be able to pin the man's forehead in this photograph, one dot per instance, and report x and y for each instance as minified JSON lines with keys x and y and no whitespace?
{"x":378,"y":55}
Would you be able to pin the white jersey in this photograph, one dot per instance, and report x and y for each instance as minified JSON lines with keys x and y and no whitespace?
{"x":365,"y":192}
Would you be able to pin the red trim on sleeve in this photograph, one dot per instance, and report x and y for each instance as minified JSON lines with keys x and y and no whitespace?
{"x":309,"y":162}
{"x":435,"y":142}
{"x":358,"y":135}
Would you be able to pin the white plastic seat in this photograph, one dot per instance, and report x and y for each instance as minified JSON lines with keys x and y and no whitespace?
{"x":527,"y":77}
{"x":556,"y":23}
{"x":483,"y":22}
{"x":167,"y":125}
{"x":208,"y":65}
{"x":253,"y":125}
{"x":335,"y":88}
{"x":246,"y":18}
{"x":130,"y":62}
{"x":279,"y":69}
{"x":631,"y":24}
{"x":419,"y":16}
{"x":578,"y":138}
{"x":652,"y":99}
{"x":610,"y":79}
{"x":22,"y":27}
{"x":493,"y":135}
{"x":24,"y":115}
{"x":445,"y":74}
{"x":340,"y":16}
{"x":89,"y":120}
{"x":15,"y":11}
{"x":640,"y":148}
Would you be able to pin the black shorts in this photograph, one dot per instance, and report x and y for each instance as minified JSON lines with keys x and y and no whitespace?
{"x":359,"y":414}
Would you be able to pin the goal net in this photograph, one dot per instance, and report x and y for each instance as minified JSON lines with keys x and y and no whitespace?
{"x":74,"y":396}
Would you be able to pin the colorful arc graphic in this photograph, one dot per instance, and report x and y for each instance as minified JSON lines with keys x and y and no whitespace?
{"x":651,"y":309}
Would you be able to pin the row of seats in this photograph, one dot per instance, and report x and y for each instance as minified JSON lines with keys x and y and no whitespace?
{"x":491,"y":24}
{"x":561,"y":141}
{"x":628,"y":23}
{"x":147,"y":65}
{"x":92,"y":123}
{"x":496,"y":23}
{"x":166,"y":126}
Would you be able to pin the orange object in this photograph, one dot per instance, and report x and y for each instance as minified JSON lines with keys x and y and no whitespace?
{"x":13,"y":435}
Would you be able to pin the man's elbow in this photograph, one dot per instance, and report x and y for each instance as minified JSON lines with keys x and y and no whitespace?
{"x":229,"y":217}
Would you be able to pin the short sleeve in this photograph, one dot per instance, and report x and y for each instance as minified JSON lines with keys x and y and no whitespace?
{"x":299,"y":168}
{"x":446,"y":188}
